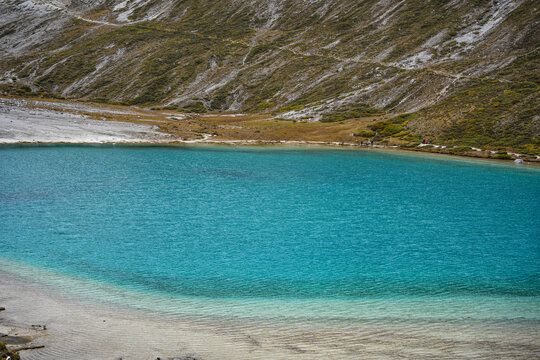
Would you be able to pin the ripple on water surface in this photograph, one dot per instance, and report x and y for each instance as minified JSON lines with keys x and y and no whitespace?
{"x":298,"y":234}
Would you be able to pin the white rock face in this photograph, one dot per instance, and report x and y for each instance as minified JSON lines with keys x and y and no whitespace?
{"x":367,"y":67}
{"x":30,"y":24}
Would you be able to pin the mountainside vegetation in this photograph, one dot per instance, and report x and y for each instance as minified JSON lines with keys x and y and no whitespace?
{"x":464,"y":73}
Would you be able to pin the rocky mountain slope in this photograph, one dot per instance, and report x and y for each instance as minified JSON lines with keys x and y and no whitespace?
{"x":462,"y":72}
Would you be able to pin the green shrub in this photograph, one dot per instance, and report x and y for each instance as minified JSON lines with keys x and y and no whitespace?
{"x":402,"y":133}
{"x":4,"y":353}
{"x":386,"y":128}
{"x":219,"y":100}
{"x":24,"y":90}
{"x":258,"y":50}
{"x":197,"y":107}
{"x":365,"y":133}
{"x":503,"y":155}
{"x":296,"y":105}
{"x":403,"y":119}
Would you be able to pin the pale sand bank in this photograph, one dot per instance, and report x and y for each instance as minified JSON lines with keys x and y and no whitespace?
{"x":78,"y":329}
{"x":19,"y":124}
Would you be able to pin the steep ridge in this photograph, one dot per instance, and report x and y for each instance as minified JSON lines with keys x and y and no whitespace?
{"x":466,"y":72}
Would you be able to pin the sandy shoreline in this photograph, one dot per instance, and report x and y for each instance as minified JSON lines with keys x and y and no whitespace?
{"x":282,"y":145}
{"x":70,"y":327}
{"x":46,"y":122}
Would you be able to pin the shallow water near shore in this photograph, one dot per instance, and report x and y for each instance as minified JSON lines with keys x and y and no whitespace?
{"x":277,"y":235}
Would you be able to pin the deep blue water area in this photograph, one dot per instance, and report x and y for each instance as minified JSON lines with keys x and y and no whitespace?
{"x":248,"y":223}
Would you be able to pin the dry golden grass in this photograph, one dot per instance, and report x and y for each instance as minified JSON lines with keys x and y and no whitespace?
{"x":226,"y":127}
{"x":222,"y":126}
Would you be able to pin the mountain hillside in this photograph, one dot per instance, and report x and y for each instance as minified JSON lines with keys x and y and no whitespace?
{"x":462,"y":72}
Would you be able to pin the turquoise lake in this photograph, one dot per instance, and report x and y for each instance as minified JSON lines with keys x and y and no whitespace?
{"x":287,"y":233}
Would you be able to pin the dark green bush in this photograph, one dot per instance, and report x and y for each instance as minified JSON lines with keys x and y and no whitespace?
{"x":365,"y":133}
{"x":197,"y":107}
{"x":4,"y":353}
